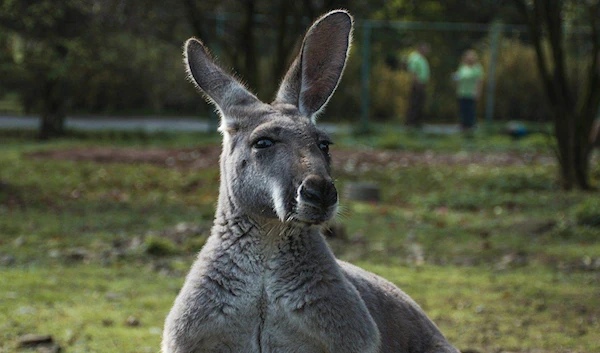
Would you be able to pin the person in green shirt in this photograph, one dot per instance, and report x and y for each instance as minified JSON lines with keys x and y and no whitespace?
{"x":469,"y":78}
{"x":418,"y":67}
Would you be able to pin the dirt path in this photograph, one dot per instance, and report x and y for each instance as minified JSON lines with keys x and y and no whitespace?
{"x":356,"y":159}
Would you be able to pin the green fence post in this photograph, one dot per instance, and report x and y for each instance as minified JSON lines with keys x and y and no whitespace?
{"x":490,"y":94}
{"x":364,"y":77}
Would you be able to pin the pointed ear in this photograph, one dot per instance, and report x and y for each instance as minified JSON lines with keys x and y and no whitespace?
{"x":220,"y":88}
{"x":316,"y":72}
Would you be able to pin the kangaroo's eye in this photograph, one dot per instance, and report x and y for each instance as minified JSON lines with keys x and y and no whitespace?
{"x":263,"y":143}
{"x":324,"y":146}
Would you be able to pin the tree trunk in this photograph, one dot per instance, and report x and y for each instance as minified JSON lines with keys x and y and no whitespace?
{"x":53,"y":112}
{"x":194,"y":18}
{"x":573,"y":114}
{"x":280,"y":63}
{"x":52,"y":126}
{"x":583,"y":149}
{"x":563,"y":132}
{"x":248,"y":45}
{"x":573,"y":151}
{"x":582,"y":168}
{"x":54,"y":98}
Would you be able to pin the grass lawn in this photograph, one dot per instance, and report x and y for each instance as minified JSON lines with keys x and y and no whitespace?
{"x":95,"y":239}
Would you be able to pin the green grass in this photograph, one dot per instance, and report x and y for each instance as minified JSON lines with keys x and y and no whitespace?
{"x":488,"y":138}
{"x":497,"y":255}
{"x":85,"y":307}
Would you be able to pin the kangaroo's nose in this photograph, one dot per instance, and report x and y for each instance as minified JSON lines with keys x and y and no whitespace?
{"x":318,"y":191}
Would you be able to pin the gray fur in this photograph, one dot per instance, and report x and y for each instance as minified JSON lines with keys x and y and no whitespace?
{"x":266,"y":280}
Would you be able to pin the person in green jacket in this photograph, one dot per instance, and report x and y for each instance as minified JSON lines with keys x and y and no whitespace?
{"x":418,"y":67}
{"x":469,"y":78}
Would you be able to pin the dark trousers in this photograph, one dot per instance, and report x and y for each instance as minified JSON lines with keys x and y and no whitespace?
{"x":466,"y":107}
{"x":416,"y":105}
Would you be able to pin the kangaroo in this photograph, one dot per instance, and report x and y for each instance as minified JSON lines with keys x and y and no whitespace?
{"x":266,"y":281}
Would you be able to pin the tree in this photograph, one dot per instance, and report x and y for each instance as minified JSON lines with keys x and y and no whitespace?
{"x":48,"y":29}
{"x":85,"y":54}
{"x":246,"y":43}
{"x":573,"y":112}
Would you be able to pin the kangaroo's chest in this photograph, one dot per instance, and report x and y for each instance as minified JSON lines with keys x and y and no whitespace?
{"x":267,"y":327}
{"x":257,"y":306}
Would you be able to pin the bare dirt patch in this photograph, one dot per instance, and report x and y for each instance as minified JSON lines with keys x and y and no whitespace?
{"x":356,"y":159}
{"x":369,"y":158}
{"x":196,"y":158}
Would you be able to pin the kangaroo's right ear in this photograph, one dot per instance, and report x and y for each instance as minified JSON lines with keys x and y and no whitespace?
{"x":221,"y":89}
{"x":316,"y":72}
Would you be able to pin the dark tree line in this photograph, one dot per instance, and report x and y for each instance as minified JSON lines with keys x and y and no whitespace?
{"x":64,"y":41}
{"x":77,"y":53}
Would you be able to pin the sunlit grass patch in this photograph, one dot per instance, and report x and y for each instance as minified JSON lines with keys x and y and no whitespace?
{"x":86,"y":307}
{"x":519,"y":310}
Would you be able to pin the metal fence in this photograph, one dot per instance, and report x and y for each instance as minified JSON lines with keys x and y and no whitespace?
{"x":512,"y":89}
{"x":455,"y":38}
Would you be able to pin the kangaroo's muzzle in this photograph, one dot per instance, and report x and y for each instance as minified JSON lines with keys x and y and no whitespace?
{"x":317,"y":199}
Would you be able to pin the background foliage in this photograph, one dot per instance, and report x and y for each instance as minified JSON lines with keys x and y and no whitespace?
{"x":117,"y":57}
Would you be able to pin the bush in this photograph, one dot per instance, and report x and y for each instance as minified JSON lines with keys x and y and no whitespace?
{"x":389,"y":93}
{"x":518,"y":181}
{"x":159,"y":246}
{"x":473,"y":200}
{"x":389,"y":90}
{"x":517,"y":73}
{"x":194,"y":243}
{"x":587,"y":213}
{"x":519,"y":90}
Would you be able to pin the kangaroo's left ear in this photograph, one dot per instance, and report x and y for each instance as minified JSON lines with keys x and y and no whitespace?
{"x":317,"y":70}
{"x":221,"y":89}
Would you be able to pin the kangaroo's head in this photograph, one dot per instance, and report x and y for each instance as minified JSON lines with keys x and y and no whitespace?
{"x":275,"y":162}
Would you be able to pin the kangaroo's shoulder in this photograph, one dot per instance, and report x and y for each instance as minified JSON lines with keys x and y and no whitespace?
{"x":402,"y":323}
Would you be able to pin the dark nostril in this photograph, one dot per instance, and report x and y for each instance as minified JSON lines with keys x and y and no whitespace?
{"x":318,"y":191}
{"x":330,"y":193}
{"x":310,"y":194}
